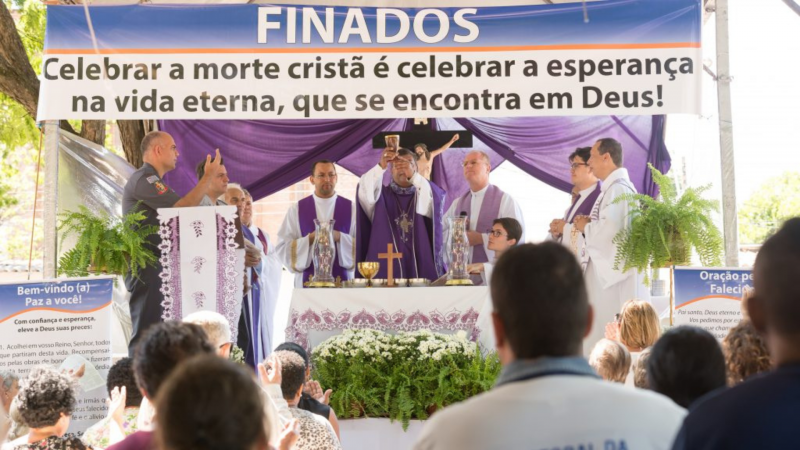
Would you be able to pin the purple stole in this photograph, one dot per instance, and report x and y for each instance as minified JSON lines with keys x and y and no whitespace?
{"x":490,"y":210}
{"x":342,"y":214}
{"x":255,"y":352}
{"x":586,"y":207}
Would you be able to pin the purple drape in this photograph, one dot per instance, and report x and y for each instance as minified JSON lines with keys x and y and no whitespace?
{"x":267,"y":156}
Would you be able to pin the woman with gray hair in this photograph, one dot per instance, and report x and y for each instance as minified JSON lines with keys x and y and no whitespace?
{"x":45,"y":401}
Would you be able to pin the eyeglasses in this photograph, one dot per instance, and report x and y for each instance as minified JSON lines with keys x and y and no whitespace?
{"x":324,"y":176}
{"x":574,"y":166}
{"x":497,"y":233}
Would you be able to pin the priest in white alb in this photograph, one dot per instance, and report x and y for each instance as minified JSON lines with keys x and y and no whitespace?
{"x":608,"y":287}
{"x":297,"y":233}
{"x":482,"y":204}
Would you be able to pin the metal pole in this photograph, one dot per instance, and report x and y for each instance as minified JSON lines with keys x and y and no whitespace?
{"x":730,"y":223}
{"x":51,"y":132}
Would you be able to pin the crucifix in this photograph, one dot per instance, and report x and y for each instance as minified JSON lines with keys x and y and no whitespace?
{"x":421,"y":131}
{"x":390,"y":256}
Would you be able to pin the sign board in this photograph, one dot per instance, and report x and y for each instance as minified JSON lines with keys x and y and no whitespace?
{"x":710,"y":298}
{"x":290,"y":61}
{"x":64,"y":324}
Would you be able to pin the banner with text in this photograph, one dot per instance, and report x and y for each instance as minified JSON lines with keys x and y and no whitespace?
{"x":710,"y":298}
{"x":64,"y":324}
{"x":270,"y":61}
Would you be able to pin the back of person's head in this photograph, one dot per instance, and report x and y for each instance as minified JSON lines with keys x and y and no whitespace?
{"x":540,"y":300}
{"x":45,"y":395}
{"x":640,"y":370}
{"x":611,"y":360}
{"x":214,"y":324}
{"x":775,"y":305}
{"x":121,"y":374}
{"x":686,"y":364}
{"x":209,"y":403}
{"x":512,"y":227}
{"x":746,"y":353}
{"x":293,"y":373}
{"x":297,"y":348}
{"x":613,"y":148}
{"x":639,"y":325}
{"x":162,"y":348}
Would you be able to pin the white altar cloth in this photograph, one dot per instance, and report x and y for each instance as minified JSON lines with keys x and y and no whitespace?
{"x":378,"y":434}
{"x":317,"y":314}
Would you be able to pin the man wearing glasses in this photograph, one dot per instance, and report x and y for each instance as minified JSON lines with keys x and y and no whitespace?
{"x":296,"y":235}
{"x":482,"y":204}
{"x":585,"y":191}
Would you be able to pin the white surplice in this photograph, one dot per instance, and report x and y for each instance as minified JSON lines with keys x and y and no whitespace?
{"x":270,"y":277}
{"x":609,"y":288}
{"x":576,"y":243}
{"x":294,"y":249}
{"x":371,"y":184}
{"x":508,"y":208}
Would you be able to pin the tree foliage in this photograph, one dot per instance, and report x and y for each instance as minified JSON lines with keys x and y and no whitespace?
{"x":775,"y":201}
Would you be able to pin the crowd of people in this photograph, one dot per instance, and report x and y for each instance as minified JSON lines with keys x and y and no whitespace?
{"x":181,"y":392}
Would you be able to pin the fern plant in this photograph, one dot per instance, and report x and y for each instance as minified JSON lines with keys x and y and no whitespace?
{"x":105,"y":244}
{"x":664,"y":232}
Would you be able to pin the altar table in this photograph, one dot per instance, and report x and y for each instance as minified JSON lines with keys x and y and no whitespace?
{"x":317,"y":314}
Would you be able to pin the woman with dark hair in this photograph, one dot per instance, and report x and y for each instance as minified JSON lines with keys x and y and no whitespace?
{"x":425,"y":161}
{"x":124,"y":409}
{"x":506,"y":233}
{"x":45,"y":402}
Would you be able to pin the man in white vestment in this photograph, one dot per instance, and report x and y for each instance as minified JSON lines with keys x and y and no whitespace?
{"x":608,"y":287}
{"x":270,"y":274}
{"x":547,"y":395}
{"x":585,"y":191}
{"x":297,"y":233}
{"x":483,"y":203}
{"x":218,"y":186}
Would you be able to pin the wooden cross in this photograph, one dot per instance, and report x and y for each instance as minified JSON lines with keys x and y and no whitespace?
{"x":390,"y":256}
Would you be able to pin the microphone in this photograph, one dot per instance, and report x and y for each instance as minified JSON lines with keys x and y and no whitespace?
{"x":463,"y":214}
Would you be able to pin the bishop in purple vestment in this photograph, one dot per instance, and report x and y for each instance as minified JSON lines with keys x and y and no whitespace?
{"x":407,"y":213}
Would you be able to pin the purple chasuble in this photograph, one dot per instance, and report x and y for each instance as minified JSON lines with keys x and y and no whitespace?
{"x":421,"y":245}
{"x":586,"y":207}
{"x":342,"y":216}
{"x":490,"y":210}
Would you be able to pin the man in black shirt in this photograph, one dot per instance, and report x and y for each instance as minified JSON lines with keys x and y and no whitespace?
{"x":146,"y":188}
{"x":764,"y":411}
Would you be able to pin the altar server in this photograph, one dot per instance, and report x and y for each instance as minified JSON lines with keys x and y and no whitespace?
{"x":297,"y":233}
{"x":407,"y":214}
{"x":483,"y":203}
{"x":609,"y":288}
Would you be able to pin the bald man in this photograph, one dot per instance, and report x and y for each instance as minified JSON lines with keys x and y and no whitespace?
{"x":147,"y":189}
{"x":482,"y":204}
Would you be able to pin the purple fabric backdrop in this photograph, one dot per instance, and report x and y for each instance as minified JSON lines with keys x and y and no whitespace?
{"x":267,"y":156}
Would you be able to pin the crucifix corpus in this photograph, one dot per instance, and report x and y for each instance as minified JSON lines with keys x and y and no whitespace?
{"x":390,"y":256}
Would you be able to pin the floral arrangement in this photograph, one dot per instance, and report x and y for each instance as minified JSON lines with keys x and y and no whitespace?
{"x":404,"y":376}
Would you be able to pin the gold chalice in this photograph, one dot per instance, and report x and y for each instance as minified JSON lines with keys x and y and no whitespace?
{"x":368,"y":270}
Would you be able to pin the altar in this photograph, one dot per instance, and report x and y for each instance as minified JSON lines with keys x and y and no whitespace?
{"x":317,"y":314}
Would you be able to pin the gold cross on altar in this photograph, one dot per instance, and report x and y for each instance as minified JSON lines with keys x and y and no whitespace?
{"x":390,"y":256}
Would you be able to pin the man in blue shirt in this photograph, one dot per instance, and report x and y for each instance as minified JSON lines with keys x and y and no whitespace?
{"x":763,"y":412}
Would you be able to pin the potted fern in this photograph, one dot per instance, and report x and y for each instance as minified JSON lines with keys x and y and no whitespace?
{"x":105,"y":244}
{"x":664,"y":232}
